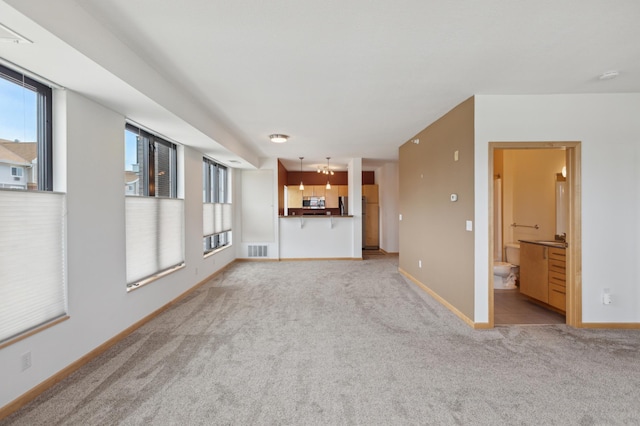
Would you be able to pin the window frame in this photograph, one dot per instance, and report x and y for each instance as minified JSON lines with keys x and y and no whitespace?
{"x":148,"y":176}
{"x":215,"y":190}
{"x":44,"y":132}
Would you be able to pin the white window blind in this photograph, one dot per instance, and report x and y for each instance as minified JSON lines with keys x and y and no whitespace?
{"x":32,"y":260}
{"x":216,"y":218}
{"x":154,"y":234}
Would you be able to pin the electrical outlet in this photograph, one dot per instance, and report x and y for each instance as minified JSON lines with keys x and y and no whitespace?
{"x":419,"y":263}
{"x":606,"y":297}
{"x":26,"y":360}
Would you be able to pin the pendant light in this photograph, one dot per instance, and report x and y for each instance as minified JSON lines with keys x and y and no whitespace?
{"x":329,"y":173}
{"x":301,"y":184}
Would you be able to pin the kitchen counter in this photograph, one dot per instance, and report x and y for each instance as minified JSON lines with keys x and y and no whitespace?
{"x":321,"y":236}
{"x":312,"y":215}
{"x":548,"y":243}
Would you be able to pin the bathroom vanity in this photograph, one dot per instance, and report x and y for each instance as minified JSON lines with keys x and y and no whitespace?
{"x":543,"y":272}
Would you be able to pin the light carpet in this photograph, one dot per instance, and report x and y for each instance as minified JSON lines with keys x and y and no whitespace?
{"x":343,"y":342}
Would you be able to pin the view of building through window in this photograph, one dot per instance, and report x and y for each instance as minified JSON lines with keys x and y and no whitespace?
{"x":18,"y":134}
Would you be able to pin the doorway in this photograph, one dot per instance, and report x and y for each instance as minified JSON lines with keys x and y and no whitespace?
{"x":571,"y":151}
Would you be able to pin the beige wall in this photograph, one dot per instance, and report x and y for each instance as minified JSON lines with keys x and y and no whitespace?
{"x":432,"y":229}
{"x":529,"y":177}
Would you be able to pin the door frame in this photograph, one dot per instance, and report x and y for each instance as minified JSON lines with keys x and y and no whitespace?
{"x":574,"y":223}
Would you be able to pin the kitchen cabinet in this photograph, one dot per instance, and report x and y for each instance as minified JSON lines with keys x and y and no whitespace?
{"x":343,"y":190}
{"x":370,"y":192}
{"x":331,"y":197}
{"x":534,"y":271}
{"x":314,"y":191}
{"x":294,"y":197}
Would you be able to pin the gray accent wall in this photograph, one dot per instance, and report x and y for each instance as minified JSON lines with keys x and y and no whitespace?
{"x":433,"y":228}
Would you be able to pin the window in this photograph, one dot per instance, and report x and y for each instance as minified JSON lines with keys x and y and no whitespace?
{"x":32,"y":258}
{"x":154,"y":216}
{"x":217,"y":212}
{"x":25,"y":131}
{"x":150,"y":164}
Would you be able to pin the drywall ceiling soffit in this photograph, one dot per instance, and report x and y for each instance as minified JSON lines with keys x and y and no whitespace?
{"x":99,"y":65}
{"x":355,"y":79}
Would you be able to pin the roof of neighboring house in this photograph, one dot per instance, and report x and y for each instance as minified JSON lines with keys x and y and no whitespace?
{"x":28,"y":151}
{"x":8,"y":156}
{"x":130,"y":177}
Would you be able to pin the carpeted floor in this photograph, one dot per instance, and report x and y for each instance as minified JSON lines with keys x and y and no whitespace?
{"x":343,"y":342}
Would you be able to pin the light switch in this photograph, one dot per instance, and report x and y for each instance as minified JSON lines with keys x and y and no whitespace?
{"x":400,"y":216}
{"x":469,"y":225}
{"x":455,"y":156}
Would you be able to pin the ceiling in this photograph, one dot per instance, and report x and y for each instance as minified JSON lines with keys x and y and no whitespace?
{"x":354,"y":78}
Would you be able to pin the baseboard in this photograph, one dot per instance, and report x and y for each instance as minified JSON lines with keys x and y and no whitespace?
{"x":443,"y":302}
{"x":319,"y":258}
{"x":33,"y":393}
{"x":388,"y":252}
{"x":618,"y":325}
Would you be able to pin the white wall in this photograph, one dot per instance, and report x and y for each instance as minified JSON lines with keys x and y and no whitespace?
{"x":608,"y":127}
{"x":388,"y":180}
{"x":99,"y":306}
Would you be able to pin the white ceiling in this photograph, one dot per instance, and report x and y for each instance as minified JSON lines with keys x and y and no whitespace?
{"x":357,"y":78}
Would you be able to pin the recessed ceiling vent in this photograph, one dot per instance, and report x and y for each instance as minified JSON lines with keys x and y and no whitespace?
{"x":7,"y":35}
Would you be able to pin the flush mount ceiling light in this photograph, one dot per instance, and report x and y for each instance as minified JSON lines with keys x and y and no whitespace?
{"x":608,"y":75}
{"x":278,"y":138}
{"x":7,"y":35}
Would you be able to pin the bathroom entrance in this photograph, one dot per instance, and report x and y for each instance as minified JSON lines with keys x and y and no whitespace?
{"x":534,"y":208}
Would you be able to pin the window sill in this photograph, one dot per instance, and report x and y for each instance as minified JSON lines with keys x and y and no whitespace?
{"x":36,"y":330}
{"x":153,"y":278}
{"x":217,"y":250}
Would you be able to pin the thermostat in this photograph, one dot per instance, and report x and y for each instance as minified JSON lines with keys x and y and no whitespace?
{"x":454,"y":197}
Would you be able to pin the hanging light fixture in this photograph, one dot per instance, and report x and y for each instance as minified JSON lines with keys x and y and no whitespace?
{"x":301,"y":184}
{"x":327,"y":173}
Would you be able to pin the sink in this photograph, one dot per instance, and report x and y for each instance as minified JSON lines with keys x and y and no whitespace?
{"x":552,"y":243}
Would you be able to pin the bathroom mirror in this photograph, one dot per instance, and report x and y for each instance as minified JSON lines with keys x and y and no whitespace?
{"x":561,"y":205}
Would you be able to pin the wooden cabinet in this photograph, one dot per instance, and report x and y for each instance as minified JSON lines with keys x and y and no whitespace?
{"x":343,"y":190}
{"x":558,"y":278}
{"x":370,"y":192}
{"x":543,"y":274}
{"x":371,"y":224}
{"x":294,"y":197}
{"x":331,"y":197}
{"x":534,"y":271}
{"x":313,"y":191}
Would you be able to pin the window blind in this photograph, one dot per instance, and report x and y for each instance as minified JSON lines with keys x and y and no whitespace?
{"x":216,"y":218}
{"x":32,"y":260}
{"x":154,"y":236}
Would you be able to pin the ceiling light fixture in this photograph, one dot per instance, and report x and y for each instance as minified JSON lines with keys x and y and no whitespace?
{"x":328,"y":173}
{"x":301,"y":184}
{"x":278,"y":138}
{"x":609,"y":75}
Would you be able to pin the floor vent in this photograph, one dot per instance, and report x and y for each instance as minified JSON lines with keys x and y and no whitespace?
{"x":258,"y":251}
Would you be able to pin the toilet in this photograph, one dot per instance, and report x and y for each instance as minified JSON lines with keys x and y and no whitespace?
{"x":505,"y":273}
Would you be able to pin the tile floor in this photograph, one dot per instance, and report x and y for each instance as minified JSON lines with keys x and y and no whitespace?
{"x":511,"y":307}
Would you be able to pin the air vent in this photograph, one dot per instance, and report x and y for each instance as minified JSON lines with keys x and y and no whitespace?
{"x":258,"y":251}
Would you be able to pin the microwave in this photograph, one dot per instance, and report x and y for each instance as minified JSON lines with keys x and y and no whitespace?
{"x":313,"y":202}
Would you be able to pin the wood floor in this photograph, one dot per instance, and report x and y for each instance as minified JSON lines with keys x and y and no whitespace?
{"x":511,"y":307}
